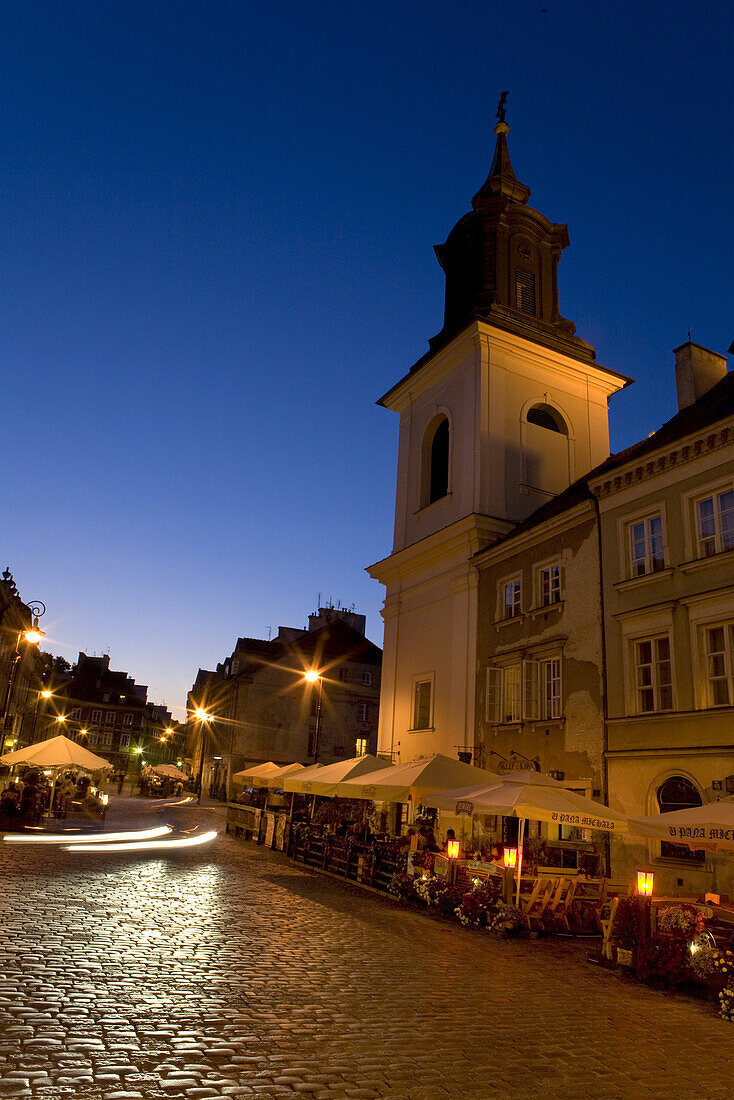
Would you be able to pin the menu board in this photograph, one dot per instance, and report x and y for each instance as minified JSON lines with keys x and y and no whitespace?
{"x":269,"y":829}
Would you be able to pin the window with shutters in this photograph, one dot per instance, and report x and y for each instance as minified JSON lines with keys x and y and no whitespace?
{"x":549,"y":686}
{"x":524,"y":691}
{"x":525,"y":291}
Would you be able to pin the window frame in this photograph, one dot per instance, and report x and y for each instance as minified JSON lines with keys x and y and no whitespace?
{"x":515,"y":690}
{"x":718,"y":537}
{"x":651,"y":564}
{"x":655,"y":686}
{"x":540,"y":571}
{"x":727,"y":653}
{"x":361,"y":746}
{"x":502,"y":605}
{"x":422,"y":678}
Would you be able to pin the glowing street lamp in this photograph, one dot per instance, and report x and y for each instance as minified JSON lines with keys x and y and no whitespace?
{"x":313,"y":677}
{"x":510,"y":857}
{"x":203,"y":718}
{"x":452,"y":849}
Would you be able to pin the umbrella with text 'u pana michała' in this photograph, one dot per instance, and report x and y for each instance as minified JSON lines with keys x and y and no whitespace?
{"x":700,"y":827}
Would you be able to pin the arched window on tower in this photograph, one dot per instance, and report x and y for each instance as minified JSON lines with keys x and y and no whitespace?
{"x":678,"y":793}
{"x":435,"y":478}
{"x":547,"y":464}
{"x":545,"y":416}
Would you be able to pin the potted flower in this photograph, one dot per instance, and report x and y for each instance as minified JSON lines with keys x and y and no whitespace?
{"x":626,"y":930}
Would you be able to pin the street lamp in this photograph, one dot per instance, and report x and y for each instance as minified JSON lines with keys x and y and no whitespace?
{"x":312,"y":677}
{"x":32,"y":636}
{"x":203,"y":718}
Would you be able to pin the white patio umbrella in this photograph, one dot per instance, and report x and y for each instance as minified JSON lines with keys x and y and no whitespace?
{"x":57,"y":752}
{"x":532,"y":797}
{"x":416,"y":780}
{"x":247,"y":775}
{"x":710,"y":826}
{"x":169,"y":771}
{"x":330,"y":775}
{"x":54,"y":755}
{"x":275,"y":779}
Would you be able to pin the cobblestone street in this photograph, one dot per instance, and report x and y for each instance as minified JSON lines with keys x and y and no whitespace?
{"x":229,"y":971}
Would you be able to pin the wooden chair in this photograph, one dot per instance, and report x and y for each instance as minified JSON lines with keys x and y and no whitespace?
{"x":537,"y":902}
{"x":607,"y":928}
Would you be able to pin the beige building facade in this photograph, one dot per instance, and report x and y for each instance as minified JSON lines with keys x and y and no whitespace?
{"x":667,"y":534}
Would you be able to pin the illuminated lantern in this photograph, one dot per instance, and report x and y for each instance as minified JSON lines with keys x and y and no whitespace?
{"x":452,"y":849}
{"x":645,"y":883}
{"x":510,"y":857}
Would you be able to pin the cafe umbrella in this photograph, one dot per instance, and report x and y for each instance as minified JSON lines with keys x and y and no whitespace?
{"x":539,"y":798}
{"x":330,"y":775}
{"x":414,"y":781}
{"x":700,"y":827}
{"x":54,"y":755}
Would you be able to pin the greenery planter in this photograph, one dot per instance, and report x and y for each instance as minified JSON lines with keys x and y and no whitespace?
{"x":625,"y":956}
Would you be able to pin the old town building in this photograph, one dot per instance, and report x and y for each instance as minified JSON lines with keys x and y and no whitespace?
{"x":20,"y":667}
{"x":667,"y":536}
{"x":259,"y":706}
{"x":109,"y":713}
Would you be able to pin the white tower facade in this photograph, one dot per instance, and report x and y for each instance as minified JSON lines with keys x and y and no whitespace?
{"x":505,"y":411}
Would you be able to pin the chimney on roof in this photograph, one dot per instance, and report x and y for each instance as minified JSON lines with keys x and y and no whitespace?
{"x":696,"y":370}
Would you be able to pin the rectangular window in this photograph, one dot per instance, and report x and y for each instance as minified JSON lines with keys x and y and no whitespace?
{"x":715,"y":523}
{"x":525,"y":291}
{"x":422,"y":705}
{"x":511,"y":601}
{"x":367,"y":679}
{"x":124,"y":740}
{"x":106,"y":738}
{"x":550,"y":585}
{"x":344,"y":675}
{"x":109,"y":718}
{"x":720,"y":665}
{"x":127,"y":719}
{"x":654,"y":690}
{"x":76,"y":714}
{"x":96,"y":715}
{"x":550,"y":688}
{"x":92,"y":739}
{"x":360,"y":746}
{"x":363,"y":712}
{"x":647,"y":554}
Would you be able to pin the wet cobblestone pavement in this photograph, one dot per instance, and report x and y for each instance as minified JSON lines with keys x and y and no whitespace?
{"x":228,"y":971}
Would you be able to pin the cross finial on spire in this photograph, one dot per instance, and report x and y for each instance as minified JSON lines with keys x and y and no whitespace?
{"x":501,"y":106}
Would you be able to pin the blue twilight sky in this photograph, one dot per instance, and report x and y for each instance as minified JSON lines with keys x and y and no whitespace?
{"x":217,"y":228}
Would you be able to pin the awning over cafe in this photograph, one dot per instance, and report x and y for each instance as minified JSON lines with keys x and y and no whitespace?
{"x":710,"y":826}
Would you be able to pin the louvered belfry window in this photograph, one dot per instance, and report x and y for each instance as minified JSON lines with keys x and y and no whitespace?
{"x":525,"y":291}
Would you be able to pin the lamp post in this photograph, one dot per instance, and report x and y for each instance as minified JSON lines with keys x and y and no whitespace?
{"x":45,"y":695}
{"x":203,"y":718}
{"x":312,"y":677}
{"x":32,"y":636}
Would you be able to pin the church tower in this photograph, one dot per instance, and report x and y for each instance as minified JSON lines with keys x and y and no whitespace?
{"x":505,"y":410}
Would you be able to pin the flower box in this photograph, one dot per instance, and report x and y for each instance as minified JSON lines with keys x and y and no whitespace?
{"x":625,"y":956}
